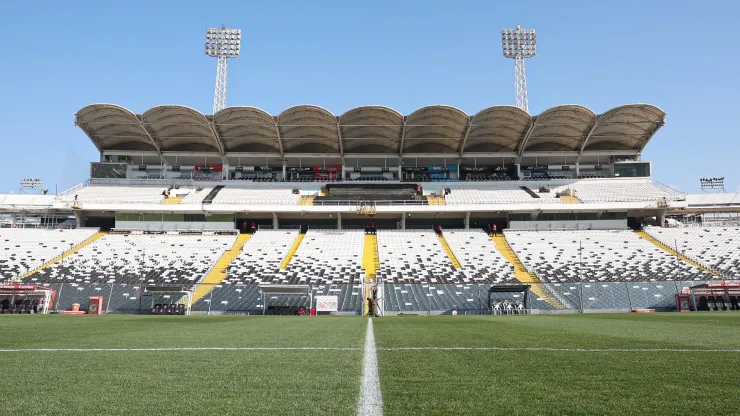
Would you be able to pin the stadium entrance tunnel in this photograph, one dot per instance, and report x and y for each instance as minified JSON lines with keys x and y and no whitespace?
{"x":105,"y":223}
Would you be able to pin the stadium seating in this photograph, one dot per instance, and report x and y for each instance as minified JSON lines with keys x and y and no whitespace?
{"x":501,"y":193}
{"x":258,"y":196}
{"x":414,"y":256}
{"x":327,"y":257}
{"x":97,"y":194}
{"x":716,"y":248}
{"x":623,"y":190}
{"x":260,"y":259}
{"x":329,"y":260}
{"x":607,"y":256}
{"x":478,"y":256}
{"x":196,"y":197}
{"x":139,"y":258}
{"x":418,"y":275}
{"x":23,"y":250}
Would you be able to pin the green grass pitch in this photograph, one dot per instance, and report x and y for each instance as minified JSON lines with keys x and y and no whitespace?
{"x":546,"y":365}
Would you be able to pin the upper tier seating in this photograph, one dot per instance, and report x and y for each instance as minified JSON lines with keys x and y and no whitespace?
{"x":414,"y":256}
{"x":23,"y":250}
{"x":97,"y":194}
{"x":195,"y":196}
{"x":622,"y":190}
{"x":259,"y":196}
{"x":479,"y":257}
{"x":135,"y":258}
{"x":328,"y":257}
{"x":607,"y":256}
{"x":500,"y":193}
{"x":717,"y":248}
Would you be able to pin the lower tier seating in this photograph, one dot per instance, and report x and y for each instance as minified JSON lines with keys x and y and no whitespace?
{"x":607,"y":256}
{"x":24,"y":249}
{"x":414,"y":256}
{"x":139,"y":258}
{"x":717,"y":248}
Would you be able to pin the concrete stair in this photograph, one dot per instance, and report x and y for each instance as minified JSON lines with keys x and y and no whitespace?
{"x":370,"y":257}
{"x":291,"y":253}
{"x":306,"y":200}
{"x":450,"y":254}
{"x":436,"y":200}
{"x":567,"y":199}
{"x":522,"y":274}
{"x":173,"y":200}
{"x":218,"y":272}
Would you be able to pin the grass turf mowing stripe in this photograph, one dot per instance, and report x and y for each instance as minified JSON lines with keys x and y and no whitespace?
{"x":154,"y":349}
{"x":371,"y":398}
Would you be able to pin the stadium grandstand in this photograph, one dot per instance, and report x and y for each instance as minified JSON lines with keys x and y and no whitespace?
{"x":384,"y":212}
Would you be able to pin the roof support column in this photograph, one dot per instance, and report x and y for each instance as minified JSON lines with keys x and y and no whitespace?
{"x":275,"y":222}
{"x":403,"y":220}
{"x":526,"y":139}
{"x":465,"y":138}
{"x":403,"y":138}
{"x":285,"y":170}
{"x":151,"y":138}
{"x":585,"y":141}
{"x":467,"y":220}
{"x":339,"y":220}
{"x":339,"y":138}
{"x":279,"y":139}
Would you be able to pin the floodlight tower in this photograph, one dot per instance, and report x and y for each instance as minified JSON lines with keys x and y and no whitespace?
{"x":519,"y":44}
{"x":222,"y":44}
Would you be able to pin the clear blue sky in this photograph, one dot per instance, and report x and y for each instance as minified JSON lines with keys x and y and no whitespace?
{"x":683,"y":56}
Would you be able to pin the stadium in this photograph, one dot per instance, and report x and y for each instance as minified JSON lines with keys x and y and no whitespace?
{"x":535,"y":247}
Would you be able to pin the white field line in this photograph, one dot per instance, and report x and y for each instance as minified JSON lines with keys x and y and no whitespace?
{"x":371,"y":399}
{"x":399,"y":349}
{"x":555,"y":349}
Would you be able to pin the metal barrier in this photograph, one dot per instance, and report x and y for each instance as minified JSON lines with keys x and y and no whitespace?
{"x":417,"y":298}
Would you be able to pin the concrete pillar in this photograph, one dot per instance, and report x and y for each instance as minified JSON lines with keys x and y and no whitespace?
{"x":339,"y":220}
{"x":661,"y":218}
{"x":400,"y":170}
{"x":467,"y":220}
{"x":403,"y":220}
{"x":224,"y":168}
{"x":275,"y":222}
{"x":578,"y":169}
{"x":80,"y":218}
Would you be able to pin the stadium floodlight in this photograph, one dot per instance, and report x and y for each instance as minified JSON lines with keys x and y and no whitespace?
{"x":222,"y":44}
{"x":519,"y":44}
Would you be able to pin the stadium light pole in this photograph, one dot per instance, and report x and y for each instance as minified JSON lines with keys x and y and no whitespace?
{"x":222,"y":44}
{"x":519,"y":44}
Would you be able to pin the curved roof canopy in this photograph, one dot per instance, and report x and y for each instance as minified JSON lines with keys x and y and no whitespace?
{"x":371,"y":129}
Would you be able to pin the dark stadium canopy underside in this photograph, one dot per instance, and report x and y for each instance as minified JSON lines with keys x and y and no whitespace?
{"x":371,"y":129}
